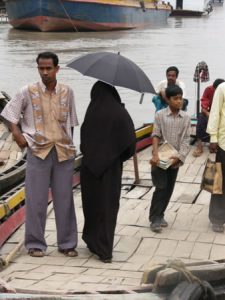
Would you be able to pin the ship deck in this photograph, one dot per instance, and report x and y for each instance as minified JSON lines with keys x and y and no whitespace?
{"x":136,"y":248}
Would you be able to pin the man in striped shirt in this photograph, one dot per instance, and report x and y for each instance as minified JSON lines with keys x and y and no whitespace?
{"x":46,"y":112}
{"x":173,"y":126}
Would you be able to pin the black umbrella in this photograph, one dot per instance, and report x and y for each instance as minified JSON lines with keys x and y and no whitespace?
{"x":114,"y":69}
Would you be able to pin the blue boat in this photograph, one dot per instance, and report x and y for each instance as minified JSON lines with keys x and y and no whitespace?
{"x":85,"y":15}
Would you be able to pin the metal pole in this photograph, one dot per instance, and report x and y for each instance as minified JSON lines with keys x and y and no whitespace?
{"x":136,"y":172}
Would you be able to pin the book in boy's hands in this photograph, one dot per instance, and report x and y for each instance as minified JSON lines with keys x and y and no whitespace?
{"x":165,"y":152}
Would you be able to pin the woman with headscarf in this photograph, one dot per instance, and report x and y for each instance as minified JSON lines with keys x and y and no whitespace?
{"x":107,"y":140}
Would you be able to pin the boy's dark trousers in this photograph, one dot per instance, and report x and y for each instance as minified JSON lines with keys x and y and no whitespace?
{"x":164,"y":181}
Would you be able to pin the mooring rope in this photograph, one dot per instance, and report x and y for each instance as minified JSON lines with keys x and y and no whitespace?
{"x":74,"y":27}
{"x":179,"y":266}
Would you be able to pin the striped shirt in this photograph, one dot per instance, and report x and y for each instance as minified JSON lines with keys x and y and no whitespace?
{"x":20,"y":110}
{"x":174,"y":129}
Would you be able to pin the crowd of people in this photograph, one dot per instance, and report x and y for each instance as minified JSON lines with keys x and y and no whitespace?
{"x":42,"y":116}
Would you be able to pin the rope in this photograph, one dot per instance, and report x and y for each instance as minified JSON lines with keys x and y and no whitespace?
{"x":179,"y":266}
{"x":68,"y":16}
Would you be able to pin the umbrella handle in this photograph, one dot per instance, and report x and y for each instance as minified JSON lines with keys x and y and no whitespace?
{"x":142,"y":98}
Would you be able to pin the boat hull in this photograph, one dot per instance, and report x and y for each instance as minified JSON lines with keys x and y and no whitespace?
{"x":186,"y":13}
{"x":83,"y":15}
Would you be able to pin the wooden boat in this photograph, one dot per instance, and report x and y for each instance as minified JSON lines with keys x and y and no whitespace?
{"x":2,"y":5}
{"x":217,"y":1}
{"x":188,"y":8}
{"x":86,"y":15}
{"x":12,"y":158}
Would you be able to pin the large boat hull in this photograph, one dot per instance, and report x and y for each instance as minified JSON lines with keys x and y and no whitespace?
{"x":84,"y":15}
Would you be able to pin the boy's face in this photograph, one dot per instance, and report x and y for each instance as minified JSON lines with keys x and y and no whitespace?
{"x":176,"y":102}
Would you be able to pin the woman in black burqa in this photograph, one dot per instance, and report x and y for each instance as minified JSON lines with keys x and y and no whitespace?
{"x":107,"y":139}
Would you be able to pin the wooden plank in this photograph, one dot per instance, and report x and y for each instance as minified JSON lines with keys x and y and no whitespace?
{"x":137,"y":192}
{"x":145,"y":154}
{"x":185,"y":193}
{"x":120,"y":294}
{"x":11,"y":202}
{"x":193,"y":170}
{"x":5,"y":135}
{"x":11,"y":224}
{"x":211,"y":272}
{"x":182,"y":171}
{"x":144,"y":131}
{"x":149,"y":275}
{"x":203,"y":198}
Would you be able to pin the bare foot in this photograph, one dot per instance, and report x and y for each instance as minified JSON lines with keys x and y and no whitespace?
{"x":197,"y":152}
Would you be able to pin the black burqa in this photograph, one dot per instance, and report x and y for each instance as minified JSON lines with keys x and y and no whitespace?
{"x":107,"y":139}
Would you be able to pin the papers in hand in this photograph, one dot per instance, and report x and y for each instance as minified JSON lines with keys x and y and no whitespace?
{"x":165,"y":152}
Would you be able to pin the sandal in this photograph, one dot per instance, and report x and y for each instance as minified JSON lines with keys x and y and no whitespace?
{"x":197,"y":153}
{"x":69,"y":252}
{"x":35,"y":252}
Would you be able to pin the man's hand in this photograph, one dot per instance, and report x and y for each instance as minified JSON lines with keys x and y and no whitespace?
{"x":20,"y":140}
{"x":155,"y":160}
{"x":17,"y":135}
{"x":205,"y":112}
{"x":213,"y":147}
{"x":176,"y":162}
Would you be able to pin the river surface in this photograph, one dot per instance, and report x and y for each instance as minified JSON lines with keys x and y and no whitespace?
{"x":182,"y":42}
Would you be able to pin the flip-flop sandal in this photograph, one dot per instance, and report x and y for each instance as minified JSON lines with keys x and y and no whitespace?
{"x":34,"y":252}
{"x":197,"y":153}
{"x":69,"y":252}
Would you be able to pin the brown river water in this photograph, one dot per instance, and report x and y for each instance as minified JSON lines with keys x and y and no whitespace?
{"x":182,"y":42}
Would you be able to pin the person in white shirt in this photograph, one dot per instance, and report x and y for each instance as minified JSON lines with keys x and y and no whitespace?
{"x":160,"y":100}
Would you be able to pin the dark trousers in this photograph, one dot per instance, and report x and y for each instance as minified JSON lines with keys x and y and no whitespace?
{"x":217,"y":202}
{"x":201,"y":128}
{"x":164,"y":181}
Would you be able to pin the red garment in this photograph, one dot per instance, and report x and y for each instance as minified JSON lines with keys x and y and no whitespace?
{"x":207,"y":97}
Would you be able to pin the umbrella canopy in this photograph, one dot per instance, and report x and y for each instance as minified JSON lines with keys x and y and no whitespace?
{"x":113,"y":69}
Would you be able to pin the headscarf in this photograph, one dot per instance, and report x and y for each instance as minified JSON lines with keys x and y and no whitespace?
{"x":107,"y":131}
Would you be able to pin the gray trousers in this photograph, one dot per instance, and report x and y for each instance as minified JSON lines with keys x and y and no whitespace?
{"x":40,"y":175}
{"x":217,"y":202}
